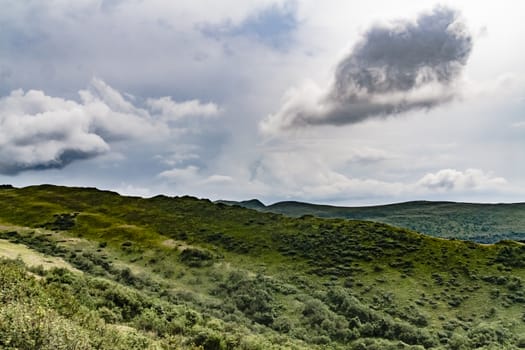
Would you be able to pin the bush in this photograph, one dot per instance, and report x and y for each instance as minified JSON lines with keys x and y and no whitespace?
{"x":485,"y":334}
{"x":521,"y":342}
{"x":209,"y":340}
{"x":150,"y":321}
{"x":61,"y":222}
{"x":128,"y":303}
{"x":254,"y":297}
{"x":29,"y":326}
{"x":196,"y":257}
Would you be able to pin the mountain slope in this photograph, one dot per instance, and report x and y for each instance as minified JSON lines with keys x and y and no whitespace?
{"x":182,"y":272}
{"x":483,"y":223}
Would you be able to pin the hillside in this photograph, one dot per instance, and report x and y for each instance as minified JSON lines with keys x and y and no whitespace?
{"x":97,"y":270}
{"x":482,"y":223}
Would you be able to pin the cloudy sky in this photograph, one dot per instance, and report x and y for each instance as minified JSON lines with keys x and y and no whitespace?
{"x":339,"y":102}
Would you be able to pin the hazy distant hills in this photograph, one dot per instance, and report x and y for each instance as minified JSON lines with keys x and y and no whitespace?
{"x":484,"y":223}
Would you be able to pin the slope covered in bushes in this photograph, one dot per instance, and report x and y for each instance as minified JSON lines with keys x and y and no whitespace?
{"x":186,"y":273}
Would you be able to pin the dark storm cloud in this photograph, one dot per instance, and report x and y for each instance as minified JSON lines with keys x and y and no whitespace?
{"x":393,"y":69}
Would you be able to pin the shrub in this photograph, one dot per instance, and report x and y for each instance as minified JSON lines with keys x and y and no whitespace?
{"x":129,"y":303}
{"x":254,"y":297}
{"x":196,"y":257}
{"x":209,"y":340}
{"x":29,"y":326}
{"x":489,"y":334}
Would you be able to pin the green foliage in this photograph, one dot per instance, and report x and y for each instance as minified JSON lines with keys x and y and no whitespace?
{"x":31,"y":316}
{"x":252,"y":296}
{"x":196,"y":257}
{"x":64,"y":221}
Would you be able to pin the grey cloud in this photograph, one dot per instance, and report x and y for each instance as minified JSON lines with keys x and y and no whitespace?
{"x":393,"y":69}
{"x":61,"y":159}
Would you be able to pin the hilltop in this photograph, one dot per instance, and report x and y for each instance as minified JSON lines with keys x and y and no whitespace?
{"x":100,"y":270}
{"x":482,"y":223}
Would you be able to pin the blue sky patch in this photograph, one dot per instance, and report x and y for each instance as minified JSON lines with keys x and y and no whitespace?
{"x":273,"y":26}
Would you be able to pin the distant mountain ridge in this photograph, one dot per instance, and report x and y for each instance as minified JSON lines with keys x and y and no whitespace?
{"x":251,"y":204}
{"x":483,"y":223}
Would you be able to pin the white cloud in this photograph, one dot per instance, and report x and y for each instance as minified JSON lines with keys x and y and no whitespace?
{"x":311,"y":178}
{"x":38,"y":131}
{"x":295,"y":175}
{"x":187,"y":174}
{"x":131,"y":190}
{"x":455,"y":180}
{"x":172,"y":110}
{"x":115,"y":118}
{"x":192,"y":176}
{"x":304,"y":97}
{"x":218,"y":179}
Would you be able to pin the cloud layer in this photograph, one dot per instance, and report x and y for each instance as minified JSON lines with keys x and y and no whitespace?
{"x":243,"y":56}
{"x":393,"y":69}
{"x":38,"y":131}
{"x":286,"y":171}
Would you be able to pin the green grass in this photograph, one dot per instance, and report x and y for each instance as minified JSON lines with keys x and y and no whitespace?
{"x":189,"y":273}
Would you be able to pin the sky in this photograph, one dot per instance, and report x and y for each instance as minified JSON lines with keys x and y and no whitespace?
{"x":335,"y":102}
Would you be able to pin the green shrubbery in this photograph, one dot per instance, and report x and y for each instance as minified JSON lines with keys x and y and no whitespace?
{"x":252,"y":296}
{"x":196,"y":257}
{"x":33,"y":315}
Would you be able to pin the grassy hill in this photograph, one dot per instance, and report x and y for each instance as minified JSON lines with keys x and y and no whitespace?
{"x":482,"y":223}
{"x":97,"y":270}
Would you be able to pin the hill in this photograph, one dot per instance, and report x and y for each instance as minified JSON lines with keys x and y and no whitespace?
{"x":250,"y":204}
{"x":97,"y":270}
{"x":482,"y":223}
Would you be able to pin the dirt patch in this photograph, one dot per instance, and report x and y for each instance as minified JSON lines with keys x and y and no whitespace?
{"x":31,"y":257}
{"x":73,"y":240}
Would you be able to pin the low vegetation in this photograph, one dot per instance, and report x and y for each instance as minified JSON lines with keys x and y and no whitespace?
{"x":184,"y":273}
